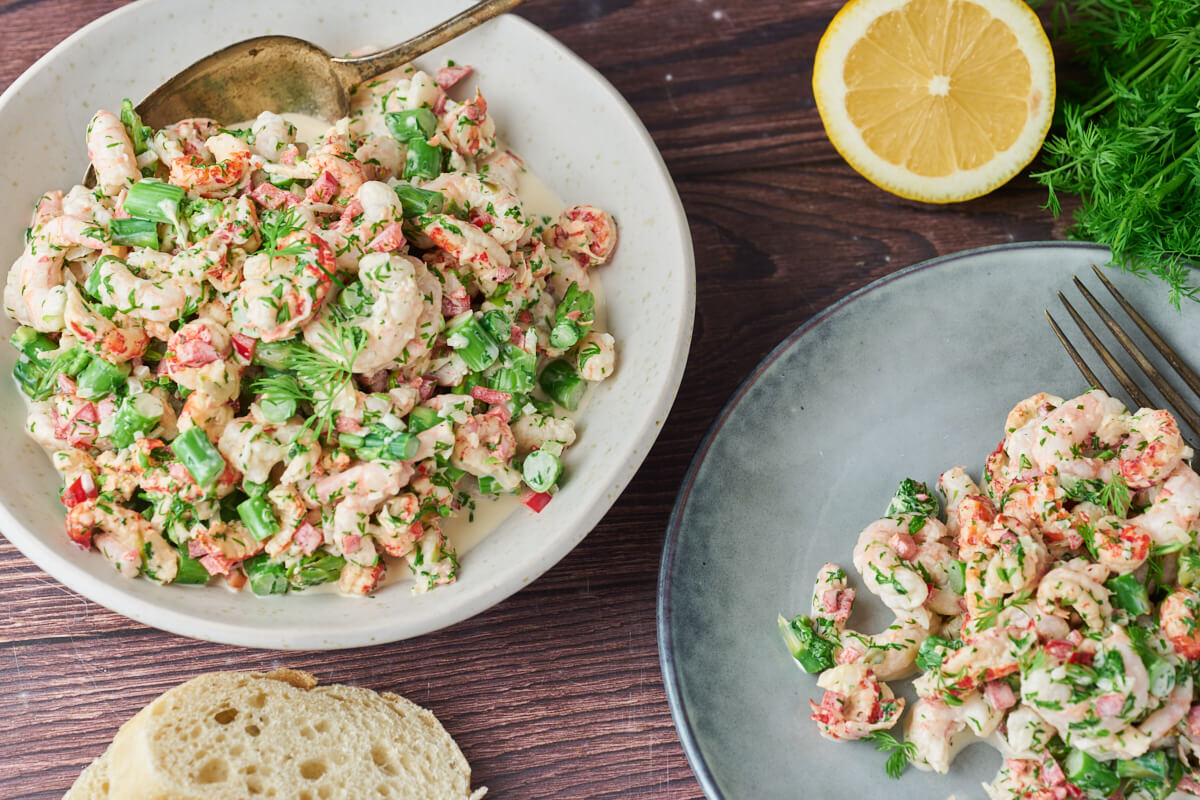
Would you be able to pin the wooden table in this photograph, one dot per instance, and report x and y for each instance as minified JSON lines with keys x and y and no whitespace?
{"x":556,"y":692}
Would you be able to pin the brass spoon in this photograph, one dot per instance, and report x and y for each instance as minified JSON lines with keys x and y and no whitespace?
{"x":283,"y":73}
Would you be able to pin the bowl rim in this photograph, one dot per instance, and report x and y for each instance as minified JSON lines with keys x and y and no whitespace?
{"x":668,"y":665}
{"x":610,"y":482}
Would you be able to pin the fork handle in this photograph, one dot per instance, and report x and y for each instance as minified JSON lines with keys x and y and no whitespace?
{"x":363,"y":68}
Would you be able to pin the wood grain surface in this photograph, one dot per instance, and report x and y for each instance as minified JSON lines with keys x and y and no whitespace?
{"x":555,"y":693}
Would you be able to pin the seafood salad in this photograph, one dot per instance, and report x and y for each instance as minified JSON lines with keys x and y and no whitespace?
{"x":1052,"y":609}
{"x":259,"y":358}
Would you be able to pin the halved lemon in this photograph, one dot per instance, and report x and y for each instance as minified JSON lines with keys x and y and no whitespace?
{"x":935,"y":100}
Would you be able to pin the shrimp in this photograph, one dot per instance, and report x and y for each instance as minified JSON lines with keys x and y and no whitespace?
{"x":468,"y":128}
{"x":281,"y":293}
{"x":198,"y":358}
{"x":292,"y":512}
{"x":955,"y":485}
{"x":232,"y":161}
{"x":584,"y":230}
{"x":126,"y":539}
{"x":255,"y":446}
{"x":1024,"y":614}
{"x":222,"y":545}
{"x":893,"y":578}
{"x":161,"y":298}
{"x":432,"y":560}
{"x":35,"y":294}
{"x":356,"y":579}
{"x":1062,"y":438}
{"x":368,"y":483}
{"x":1038,"y":778}
{"x":1120,"y":545}
{"x":933,"y":727}
{"x":111,"y":154}
{"x":597,"y":356}
{"x":974,"y":516}
{"x":185,"y":138}
{"x":855,"y":703}
{"x":1153,"y":448}
{"x":1089,"y":709}
{"x":491,"y":207}
{"x":531,"y":431}
{"x":48,"y":206}
{"x":380,"y":206}
{"x":1156,"y":725}
{"x":1036,"y":407}
{"x":381,"y":155}
{"x":1014,"y":567}
{"x":1179,"y":616}
{"x":1174,"y":508}
{"x":104,"y":337}
{"x":1037,"y":502}
{"x":890,"y":653}
{"x":418,"y":353}
{"x":471,"y":246}
{"x":985,"y":656}
{"x":484,"y":446}
{"x":122,"y":471}
{"x":332,"y":162}
{"x":1077,"y":586}
{"x":504,"y":167}
{"x":1026,"y":733}
{"x":831,"y":598}
{"x":387,"y":305}
{"x":272,"y":133}
{"x":250,"y":449}
{"x":398,"y":529}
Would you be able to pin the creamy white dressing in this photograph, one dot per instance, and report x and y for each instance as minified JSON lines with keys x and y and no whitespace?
{"x":309,"y":129}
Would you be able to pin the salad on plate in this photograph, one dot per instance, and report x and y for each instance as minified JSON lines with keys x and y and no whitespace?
{"x":1052,"y":609}
{"x":284,"y":359}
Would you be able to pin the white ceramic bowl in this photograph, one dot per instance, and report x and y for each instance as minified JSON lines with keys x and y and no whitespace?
{"x":574,"y":130}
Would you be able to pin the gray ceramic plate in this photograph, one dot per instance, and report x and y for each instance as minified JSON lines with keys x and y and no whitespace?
{"x":905,"y":378}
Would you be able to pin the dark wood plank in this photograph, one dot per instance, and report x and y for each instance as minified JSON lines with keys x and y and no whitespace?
{"x":555,"y":693}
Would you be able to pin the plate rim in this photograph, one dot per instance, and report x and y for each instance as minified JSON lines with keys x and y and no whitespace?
{"x":615,"y":476}
{"x":667,"y":662}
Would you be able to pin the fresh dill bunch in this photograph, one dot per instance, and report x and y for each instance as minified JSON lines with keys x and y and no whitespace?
{"x":1127,"y":141}
{"x":901,"y":752}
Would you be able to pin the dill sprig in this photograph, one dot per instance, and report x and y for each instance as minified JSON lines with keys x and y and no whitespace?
{"x":278,"y":224}
{"x":989,"y":610}
{"x":1127,"y":142}
{"x":1114,"y":494}
{"x":901,"y":752}
{"x":318,"y":377}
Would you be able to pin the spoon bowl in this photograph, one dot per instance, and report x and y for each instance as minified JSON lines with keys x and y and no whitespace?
{"x":286,"y":74}
{"x":277,"y":73}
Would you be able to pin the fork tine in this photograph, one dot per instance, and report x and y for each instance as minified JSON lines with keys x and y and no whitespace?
{"x":1088,"y":375}
{"x":1187,"y":373}
{"x":1115,"y":368}
{"x":1173,"y":398}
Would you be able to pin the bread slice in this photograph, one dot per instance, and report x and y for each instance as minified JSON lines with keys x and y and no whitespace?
{"x":277,"y":736}
{"x":92,"y":783}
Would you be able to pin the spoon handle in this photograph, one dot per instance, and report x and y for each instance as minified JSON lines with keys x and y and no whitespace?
{"x":367,"y":67}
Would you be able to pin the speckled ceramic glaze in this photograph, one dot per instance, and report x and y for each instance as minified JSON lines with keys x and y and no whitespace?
{"x":575,"y":132}
{"x":905,"y":378}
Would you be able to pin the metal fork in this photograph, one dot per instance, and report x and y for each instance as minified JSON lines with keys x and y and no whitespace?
{"x":1178,"y":404}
